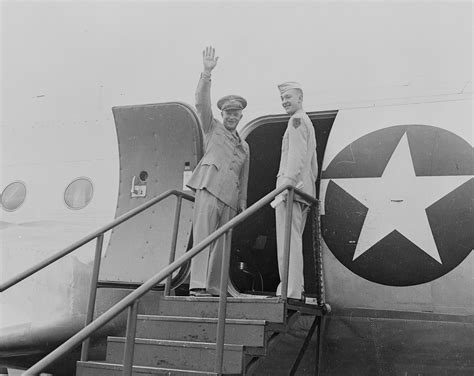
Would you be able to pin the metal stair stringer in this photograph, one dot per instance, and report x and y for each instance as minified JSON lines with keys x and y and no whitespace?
{"x":274,"y":339}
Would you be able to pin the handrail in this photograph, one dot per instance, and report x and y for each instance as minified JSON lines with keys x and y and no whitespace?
{"x":86,"y":239}
{"x":130,"y":299}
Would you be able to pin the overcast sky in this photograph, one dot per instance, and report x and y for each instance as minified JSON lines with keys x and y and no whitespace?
{"x":71,"y":61}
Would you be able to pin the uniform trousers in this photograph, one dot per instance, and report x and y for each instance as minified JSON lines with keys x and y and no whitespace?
{"x":295,"y":269}
{"x":209,"y":214}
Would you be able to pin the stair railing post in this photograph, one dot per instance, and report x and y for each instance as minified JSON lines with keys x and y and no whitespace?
{"x":92,"y":294}
{"x":223,"y":303}
{"x":319,"y":346}
{"x":130,"y":339}
{"x":287,"y":242}
{"x":177,"y":214}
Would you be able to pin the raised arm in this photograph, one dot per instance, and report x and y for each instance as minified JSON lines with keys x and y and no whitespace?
{"x":203,"y":91}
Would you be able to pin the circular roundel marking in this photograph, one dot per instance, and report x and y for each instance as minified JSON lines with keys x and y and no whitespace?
{"x":13,"y":196}
{"x":78,"y":193}
{"x":399,"y":204}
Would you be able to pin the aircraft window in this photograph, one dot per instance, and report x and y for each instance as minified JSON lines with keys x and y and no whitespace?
{"x":78,"y":193}
{"x":13,"y":196}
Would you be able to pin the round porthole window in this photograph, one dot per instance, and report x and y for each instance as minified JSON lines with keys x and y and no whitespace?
{"x":78,"y":193}
{"x":13,"y":196}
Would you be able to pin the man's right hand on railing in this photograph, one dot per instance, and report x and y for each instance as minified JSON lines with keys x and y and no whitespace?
{"x":282,"y":196}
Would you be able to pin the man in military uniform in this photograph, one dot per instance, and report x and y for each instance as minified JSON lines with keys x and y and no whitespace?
{"x":299,"y":167}
{"x":219,"y":180}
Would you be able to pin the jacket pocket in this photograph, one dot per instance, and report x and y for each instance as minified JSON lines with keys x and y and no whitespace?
{"x":210,"y":161}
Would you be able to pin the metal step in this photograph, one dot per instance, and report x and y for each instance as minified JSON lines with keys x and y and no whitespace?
{"x":249,"y":333}
{"x":198,"y":356}
{"x":111,"y":369}
{"x":272,"y":310}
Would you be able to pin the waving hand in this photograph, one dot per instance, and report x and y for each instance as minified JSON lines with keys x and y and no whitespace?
{"x":209,"y":59}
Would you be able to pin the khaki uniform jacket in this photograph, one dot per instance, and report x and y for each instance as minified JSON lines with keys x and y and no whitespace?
{"x":224,"y":168}
{"x":299,"y":163}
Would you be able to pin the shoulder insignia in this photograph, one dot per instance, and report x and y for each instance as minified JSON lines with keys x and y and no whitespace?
{"x":296,"y":122}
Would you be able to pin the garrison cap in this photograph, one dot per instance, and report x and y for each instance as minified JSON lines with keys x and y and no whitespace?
{"x":231,"y":102}
{"x":285,"y":86}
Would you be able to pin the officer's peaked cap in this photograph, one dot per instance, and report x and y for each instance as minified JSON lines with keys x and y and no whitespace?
{"x":285,"y":86}
{"x":231,"y":102}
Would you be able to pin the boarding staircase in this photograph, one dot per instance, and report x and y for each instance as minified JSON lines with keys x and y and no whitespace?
{"x":180,"y":337}
{"x":191,"y":335}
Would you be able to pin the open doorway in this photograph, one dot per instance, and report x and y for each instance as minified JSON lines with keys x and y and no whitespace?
{"x":254,"y":267}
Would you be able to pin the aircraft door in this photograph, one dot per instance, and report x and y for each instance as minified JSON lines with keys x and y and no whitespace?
{"x":254,"y":267}
{"x":159,"y":145}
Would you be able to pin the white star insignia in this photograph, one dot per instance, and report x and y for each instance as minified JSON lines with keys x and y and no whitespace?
{"x":397,"y":200}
